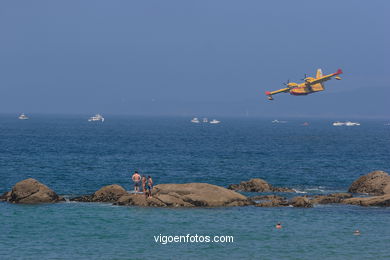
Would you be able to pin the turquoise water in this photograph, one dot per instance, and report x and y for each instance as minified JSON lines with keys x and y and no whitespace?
{"x":75,"y":157}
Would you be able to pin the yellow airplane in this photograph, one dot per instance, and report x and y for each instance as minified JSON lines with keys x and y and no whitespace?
{"x":310,"y":85}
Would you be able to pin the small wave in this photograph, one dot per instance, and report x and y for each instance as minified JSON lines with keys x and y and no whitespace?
{"x":299,"y":191}
{"x":315,"y":189}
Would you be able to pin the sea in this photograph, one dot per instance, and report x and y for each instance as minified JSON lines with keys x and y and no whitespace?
{"x":75,"y":157}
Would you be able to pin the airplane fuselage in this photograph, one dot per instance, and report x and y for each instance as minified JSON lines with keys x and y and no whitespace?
{"x":305,"y":88}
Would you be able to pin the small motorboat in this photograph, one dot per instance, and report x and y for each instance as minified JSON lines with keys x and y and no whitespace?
{"x":195,"y":120}
{"x":23,"y":116}
{"x":97,"y":117}
{"x":214,"y":121}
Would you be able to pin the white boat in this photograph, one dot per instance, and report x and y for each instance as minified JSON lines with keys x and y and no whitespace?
{"x":195,"y":120}
{"x":205,"y":120}
{"x":97,"y":117}
{"x":276,"y":121}
{"x":214,"y":121}
{"x":23,"y":116}
{"x":349,"y":123}
{"x":338,"y":123}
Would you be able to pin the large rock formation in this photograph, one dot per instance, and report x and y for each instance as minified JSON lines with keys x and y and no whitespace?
{"x":187,"y":195}
{"x":109,"y":193}
{"x":30,"y":191}
{"x":257,"y":185}
{"x":381,"y":201}
{"x":374,"y":183}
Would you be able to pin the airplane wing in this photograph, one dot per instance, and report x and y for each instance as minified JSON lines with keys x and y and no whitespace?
{"x":277,"y":91}
{"x":325,"y":78}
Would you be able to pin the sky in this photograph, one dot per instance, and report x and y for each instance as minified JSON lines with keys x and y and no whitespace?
{"x":193,"y":58}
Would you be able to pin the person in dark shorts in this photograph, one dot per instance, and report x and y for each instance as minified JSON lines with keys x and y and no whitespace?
{"x":136,"y":179}
{"x":150,"y":186}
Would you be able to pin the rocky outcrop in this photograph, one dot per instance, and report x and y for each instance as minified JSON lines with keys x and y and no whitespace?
{"x":257,"y":185}
{"x":269,"y":201}
{"x":380,"y":201}
{"x":330,"y":198}
{"x":109,"y":193}
{"x":30,"y":191}
{"x":374,"y":183}
{"x":301,"y":202}
{"x":187,"y":195}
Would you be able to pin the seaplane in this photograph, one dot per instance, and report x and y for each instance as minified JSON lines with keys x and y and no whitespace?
{"x":309,"y":86}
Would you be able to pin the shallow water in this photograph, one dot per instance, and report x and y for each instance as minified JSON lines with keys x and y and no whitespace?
{"x":75,"y":157}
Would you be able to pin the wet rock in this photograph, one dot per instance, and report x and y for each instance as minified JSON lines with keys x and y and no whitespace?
{"x":84,"y":198}
{"x":374,"y":183}
{"x":30,"y":191}
{"x":380,"y":201}
{"x":257,"y":185}
{"x":269,"y":201}
{"x":301,"y":202}
{"x":331,"y":198}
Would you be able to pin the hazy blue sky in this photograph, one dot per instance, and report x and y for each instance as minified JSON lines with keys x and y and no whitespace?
{"x":195,"y":58}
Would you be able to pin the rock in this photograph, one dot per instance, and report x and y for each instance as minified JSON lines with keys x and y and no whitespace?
{"x":374,"y":183}
{"x":199,"y":195}
{"x":302,"y":202}
{"x":84,"y":198}
{"x":266,"y":197}
{"x":30,"y":191}
{"x":269,"y":201}
{"x":331,"y":198}
{"x":381,"y":201}
{"x":110,"y":193}
{"x":139,"y":200}
{"x":257,"y":185}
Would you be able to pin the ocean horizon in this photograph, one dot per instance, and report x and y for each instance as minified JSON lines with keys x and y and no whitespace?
{"x":76,"y":157}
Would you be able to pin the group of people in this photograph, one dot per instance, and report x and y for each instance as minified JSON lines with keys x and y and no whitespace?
{"x":147,"y":184}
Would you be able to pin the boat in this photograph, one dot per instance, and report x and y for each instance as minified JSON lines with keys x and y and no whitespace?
{"x":23,"y":116}
{"x":97,"y":117}
{"x":205,"y":120}
{"x":195,"y":120}
{"x":276,"y":121}
{"x":349,"y":123}
{"x":338,"y":123}
{"x":214,"y":121}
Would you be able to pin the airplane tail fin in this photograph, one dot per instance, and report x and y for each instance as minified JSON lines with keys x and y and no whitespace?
{"x":319,"y":73}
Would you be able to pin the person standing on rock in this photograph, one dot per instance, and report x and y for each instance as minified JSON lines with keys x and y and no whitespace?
{"x":143,"y":180}
{"x":136,"y":179}
{"x":150,"y":186}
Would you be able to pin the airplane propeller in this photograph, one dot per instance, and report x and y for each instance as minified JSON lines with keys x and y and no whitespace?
{"x":304,"y":77}
{"x":286,"y":84}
